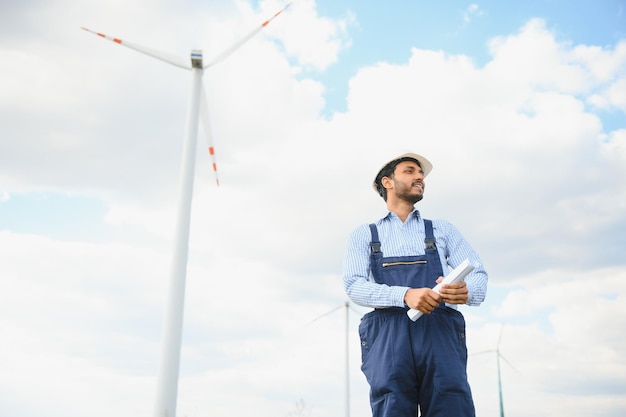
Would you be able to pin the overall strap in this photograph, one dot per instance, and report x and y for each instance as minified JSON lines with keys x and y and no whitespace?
{"x":375,"y":243}
{"x":430,"y":237}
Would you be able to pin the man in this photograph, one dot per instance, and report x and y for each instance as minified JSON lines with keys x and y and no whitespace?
{"x":392,"y":266}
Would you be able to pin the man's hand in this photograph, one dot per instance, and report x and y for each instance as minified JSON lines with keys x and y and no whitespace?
{"x":454,"y":293}
{"x":422,"y":299}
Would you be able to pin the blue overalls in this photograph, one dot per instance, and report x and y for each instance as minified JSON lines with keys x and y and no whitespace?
{"x":409,"y":363}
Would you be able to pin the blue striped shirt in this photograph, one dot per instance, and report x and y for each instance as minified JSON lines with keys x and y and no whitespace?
{"x":406,"y":239}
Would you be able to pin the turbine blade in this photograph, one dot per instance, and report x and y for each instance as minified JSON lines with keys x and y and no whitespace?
{"x":170,"y":59}
{"x":509,"y":363}
{"x":482,"y":351}
{"x":245,"y":39}
{"x":324,"y":315}
{"x":500,"y":337}
{"x":204,"y":119}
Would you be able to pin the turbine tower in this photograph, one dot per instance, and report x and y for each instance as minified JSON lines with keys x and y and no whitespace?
{"x":167,"y":384}
{"x":501,"y":403}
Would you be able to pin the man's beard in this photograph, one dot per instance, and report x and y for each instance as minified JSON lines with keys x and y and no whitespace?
{"x":405,"y":194}
{"x":412,"y":198}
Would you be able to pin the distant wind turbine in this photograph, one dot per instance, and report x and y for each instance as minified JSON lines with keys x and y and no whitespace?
{"x":167,"y":386}
{"x":498,"y":357}
{"x":347,"y":346}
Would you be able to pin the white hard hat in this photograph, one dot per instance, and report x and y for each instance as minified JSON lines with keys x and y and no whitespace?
{"x":423,"y":163}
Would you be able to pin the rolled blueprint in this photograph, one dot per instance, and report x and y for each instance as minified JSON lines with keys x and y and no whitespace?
{"x":456,"y":275}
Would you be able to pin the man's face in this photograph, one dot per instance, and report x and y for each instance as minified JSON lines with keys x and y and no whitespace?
{"x":408,"y":182}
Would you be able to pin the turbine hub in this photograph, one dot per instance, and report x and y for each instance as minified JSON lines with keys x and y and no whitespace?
{"x":196,"y":58}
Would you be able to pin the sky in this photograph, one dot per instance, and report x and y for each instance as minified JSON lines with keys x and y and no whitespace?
{"x":521,"y":107}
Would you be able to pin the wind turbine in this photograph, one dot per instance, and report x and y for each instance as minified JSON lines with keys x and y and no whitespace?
{"x":347,"y":345}
{"x":498,"y":357}
{"x":167,"y":385}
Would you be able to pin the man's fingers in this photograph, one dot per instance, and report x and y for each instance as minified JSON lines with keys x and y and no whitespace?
{"x":455,"y":294}
{"x":429,"y":302}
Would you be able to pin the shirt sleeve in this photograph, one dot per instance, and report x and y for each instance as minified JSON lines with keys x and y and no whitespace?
{"x":357,"y":279}
{"x":457,"y":249}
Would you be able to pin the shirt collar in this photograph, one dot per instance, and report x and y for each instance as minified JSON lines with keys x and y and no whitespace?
{"x":415,"y":213}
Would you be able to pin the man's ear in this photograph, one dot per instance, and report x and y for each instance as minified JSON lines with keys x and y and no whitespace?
{"x":386,"y":182}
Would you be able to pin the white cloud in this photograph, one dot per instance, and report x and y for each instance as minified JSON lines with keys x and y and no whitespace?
{"x":314,"y":40}
{"x":473,"y":10}
{"x":615,"y":146}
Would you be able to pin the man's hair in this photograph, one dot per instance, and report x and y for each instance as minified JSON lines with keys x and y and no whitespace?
{"x":387,"y":171}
